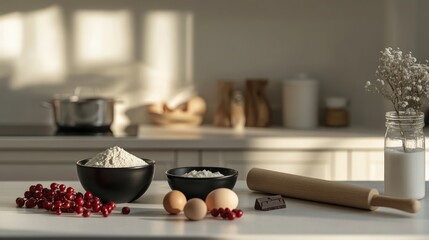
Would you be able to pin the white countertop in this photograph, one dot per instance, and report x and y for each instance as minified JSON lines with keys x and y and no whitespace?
{"x":209,"y":137}
{"x":300,"y":220}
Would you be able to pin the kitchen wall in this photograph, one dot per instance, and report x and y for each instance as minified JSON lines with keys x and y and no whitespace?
{"x":142,"y":51}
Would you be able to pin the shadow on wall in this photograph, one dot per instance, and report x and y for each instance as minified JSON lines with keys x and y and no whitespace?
{"x":138,"y":58}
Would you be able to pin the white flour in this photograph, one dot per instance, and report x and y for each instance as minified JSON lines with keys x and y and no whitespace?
{"x":115,"y":157}
{"x":202,"y":174}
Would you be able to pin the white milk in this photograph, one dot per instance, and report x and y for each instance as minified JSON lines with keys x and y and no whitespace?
{"x":404,"y":173}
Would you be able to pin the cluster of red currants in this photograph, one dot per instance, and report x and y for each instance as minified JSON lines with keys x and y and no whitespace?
{"x":227,"y":213}
{"x":59,"y":198}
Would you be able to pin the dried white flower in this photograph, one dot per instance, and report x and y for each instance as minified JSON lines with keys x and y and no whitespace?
{"x":402,"y":80}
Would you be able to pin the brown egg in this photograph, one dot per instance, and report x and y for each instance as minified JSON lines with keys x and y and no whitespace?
{"x":222,"y":198}
{"x":174,"y":202}
{"x":195,"y":209}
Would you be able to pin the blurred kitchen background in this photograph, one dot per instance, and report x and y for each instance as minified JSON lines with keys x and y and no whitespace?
{"x":146,"y":51}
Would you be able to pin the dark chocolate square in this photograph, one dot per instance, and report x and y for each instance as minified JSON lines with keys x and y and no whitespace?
{"x":270,"y":203}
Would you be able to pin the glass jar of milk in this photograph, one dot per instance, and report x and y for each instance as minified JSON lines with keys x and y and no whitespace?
{"x":404,"y":155}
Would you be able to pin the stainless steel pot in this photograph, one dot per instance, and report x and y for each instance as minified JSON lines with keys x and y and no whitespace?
{"x":75,"y":112}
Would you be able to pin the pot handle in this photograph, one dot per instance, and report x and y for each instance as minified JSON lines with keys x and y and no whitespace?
{"x":46,"y":104}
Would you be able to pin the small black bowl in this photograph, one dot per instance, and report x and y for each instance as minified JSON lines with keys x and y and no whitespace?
{"x":120,"y":185}
{"x":200,"y":187}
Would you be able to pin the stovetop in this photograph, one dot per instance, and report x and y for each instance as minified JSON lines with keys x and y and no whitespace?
{"x":34,"y":131}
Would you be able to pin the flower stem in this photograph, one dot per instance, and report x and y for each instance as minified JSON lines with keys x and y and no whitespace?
{"x":401,"y":131}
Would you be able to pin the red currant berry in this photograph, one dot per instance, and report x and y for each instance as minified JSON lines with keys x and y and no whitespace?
{"x":50,"y":194}
{"x":214,"y":212}
{"x":39,"y":187}
{"x":45,"y":192}
{"x":86,"y":213}
{"x":41,"y":203}
{"x":70,"y":190}
{"x":62,"y":187}
{"x":57,"y":197}
{"x":109,"y":208}
{"x":20,"y":202}
{"x":112,"y":204}
{"x":238,"y":213}
{"x":87,"y":204}
{"x":31,"y":203}
{"x":69,"y":196}
{"x":126,"y":210}
{"x":58,"y":211}
{"x":54,"y":186}
{"x":79,"y":201}
{"x":96,"y":200}
{"x":47,"y":205}
{"x":28,"y":194}
{"x":227,"y":210}
{"x":79,"y":209}
{"x":105,"y":214}
{"x":224,"y":215}
{"x":221,"y":210}
{"x":79,"y":195}
{"x":104,"y":208}
{"x":32,"y":188}
{"x":38,"y":195}
{"x":88,"y":196}
{"x":58,"y":204}
{"x":66,"y":205}
{"x":96,"y":208}
{"x":231,"y":216}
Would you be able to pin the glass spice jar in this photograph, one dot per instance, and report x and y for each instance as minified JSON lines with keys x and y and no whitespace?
{"x":238,"y":115}
{"x":336,"y":113}
{"x":404,"y":156}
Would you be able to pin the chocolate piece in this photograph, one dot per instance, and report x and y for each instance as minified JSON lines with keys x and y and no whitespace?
{"x":270,"y":203}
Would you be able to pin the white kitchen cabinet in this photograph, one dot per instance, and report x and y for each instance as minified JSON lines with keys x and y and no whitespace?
{"x":187,"y":158}
{"x":320,"y":164}
{"x":164,"y":160}
{"x":41,"y":164}
{"x":366,"y":165}
{"x":61,"y":164}
{"x":37,"y":171}
{"x":334,"y":154}
{"x":369,"y":165}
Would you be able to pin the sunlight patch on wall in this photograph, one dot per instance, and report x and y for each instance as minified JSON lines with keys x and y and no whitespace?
{"x":42,"y":61}
{"x":102,"y":38}
{"x":167,"y":53}
{"x":11,"y":36}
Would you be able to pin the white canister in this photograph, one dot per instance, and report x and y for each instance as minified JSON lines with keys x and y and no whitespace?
{"x":300,"y":102}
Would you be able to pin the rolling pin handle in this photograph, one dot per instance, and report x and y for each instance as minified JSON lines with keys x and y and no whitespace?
{"x":404,"y":204}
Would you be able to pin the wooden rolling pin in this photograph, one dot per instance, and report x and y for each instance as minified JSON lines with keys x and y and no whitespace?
{"x":319,"y":190}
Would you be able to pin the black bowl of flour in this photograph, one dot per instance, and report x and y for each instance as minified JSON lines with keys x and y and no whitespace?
{"x":200,"y":187}
{"x":117,"y":184}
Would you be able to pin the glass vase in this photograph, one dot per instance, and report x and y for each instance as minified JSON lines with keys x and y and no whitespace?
{"x":404,"y":155}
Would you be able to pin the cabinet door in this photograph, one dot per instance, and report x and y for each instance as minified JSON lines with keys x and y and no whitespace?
{"x":37,"y":172}
{"x":318,"y":164}
{"x":41,"y":165}
{"x":367,"y":165}
{"x":187,"y":158}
